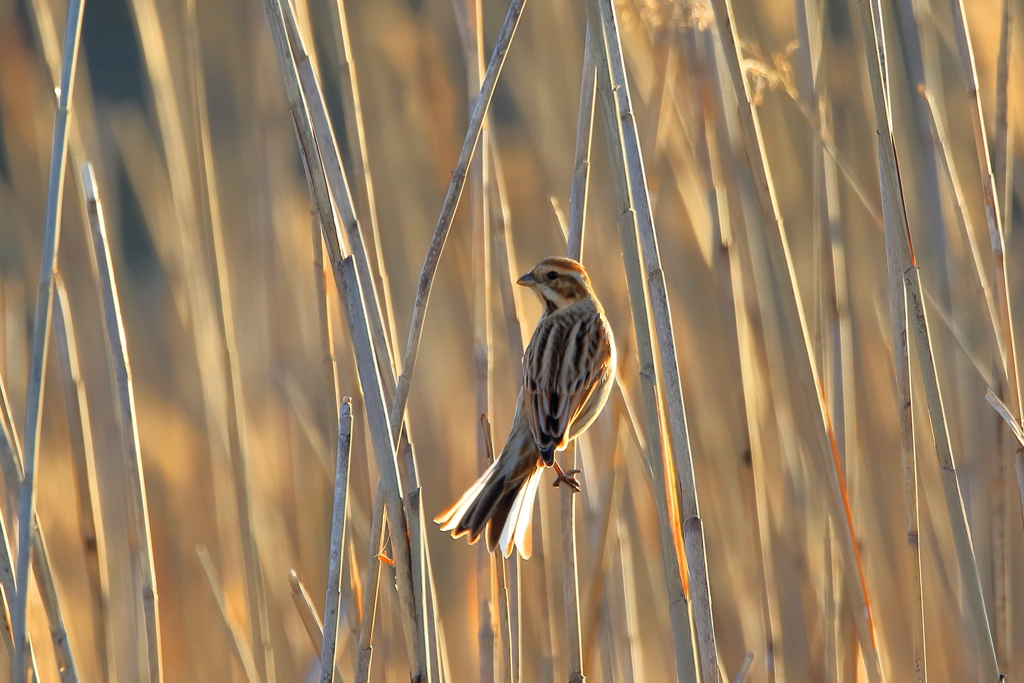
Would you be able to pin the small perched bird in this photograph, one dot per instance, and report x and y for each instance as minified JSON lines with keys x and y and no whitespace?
{"x":568,"y":372}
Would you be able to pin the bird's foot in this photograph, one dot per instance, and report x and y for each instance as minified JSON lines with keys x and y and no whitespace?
{"x":567,"y":478}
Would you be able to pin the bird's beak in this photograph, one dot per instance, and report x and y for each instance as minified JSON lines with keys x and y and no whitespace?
{"x":527,"y":280}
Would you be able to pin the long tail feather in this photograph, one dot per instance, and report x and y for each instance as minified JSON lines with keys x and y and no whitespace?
{"x":498,"y":505}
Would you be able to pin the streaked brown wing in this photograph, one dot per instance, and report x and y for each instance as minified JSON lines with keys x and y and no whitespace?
{"x":564,"y":362}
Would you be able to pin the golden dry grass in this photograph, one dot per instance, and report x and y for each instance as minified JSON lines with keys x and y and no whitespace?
{"x":182,"y":109}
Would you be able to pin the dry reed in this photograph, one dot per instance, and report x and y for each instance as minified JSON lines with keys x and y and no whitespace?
{"x":40,"y":335}
{"x":141,"y":539}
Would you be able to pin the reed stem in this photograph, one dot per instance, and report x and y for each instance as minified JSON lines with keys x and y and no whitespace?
{"x":41,"y":333}
{"x":140,"y":539}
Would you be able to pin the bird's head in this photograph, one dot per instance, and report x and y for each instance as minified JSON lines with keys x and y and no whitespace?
{"x":558,"y":282}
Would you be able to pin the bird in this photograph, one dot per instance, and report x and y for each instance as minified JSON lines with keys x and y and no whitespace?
{"x":568,"y":371}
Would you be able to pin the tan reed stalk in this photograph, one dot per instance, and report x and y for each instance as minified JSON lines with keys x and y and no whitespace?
{"x":899,"y":249}
{"x":387,"y":464}
{"x":624,"y":591}
{"x":1003,"y":164}
{"x":490,"y":607}
{"x":337,"y":181}
{"x":451,"y":202}
{"x":504,"y":623}
{"x":570,"y":577}
{"x":323,"y":135}
{"x":11,"y":474}
{"x":338,"y":527}
{"x":574,"y":239}
{"x":504,"y":262}
{"x":284,"y":35}
{"x":355,"y":133}
{"x":675,"y":416}
{"x":945,"y":155}
{"x":502,"y":656}
{"x":140,"y":539}
{"x":241,"y":648}
{"x":993,"y":212}
{"x":40,"y":335}
{"x":724,"y":202}
{"x":601,"y":20}
{"x":364,"y":653}
{"x":581,"y":165}
{"x":324,"y":311}
{"x":234,"y":400}
{"x":824,"y":445}
{"x":671,"y":559}
{"x":316,"y":167}
{"x":80,"y":431}
{"x":311,"y":620}
{"x":307,"y":612}
{"x":898,"y":257}
{"x":1004,"y":141}
{"x":10,"y":461}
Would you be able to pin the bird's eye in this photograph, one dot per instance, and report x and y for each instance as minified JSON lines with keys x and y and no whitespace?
{"x":552,"y":275}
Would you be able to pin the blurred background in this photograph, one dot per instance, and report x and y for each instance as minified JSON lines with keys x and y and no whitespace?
{"x":775,"y":576}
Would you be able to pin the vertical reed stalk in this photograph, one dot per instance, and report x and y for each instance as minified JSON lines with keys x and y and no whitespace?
{"x":355,"y":133}
{"x":80,"y":432}
{"x":581,"y":165}
{"x":993,"y":213}
{"x":451,"y":202}
{"x":490,"y":608}
{"x":824,"y":446}
{"x":286,"y":39}
{"x":384,"y":451}
{"x":41,"y":332}
{"x":570,"y":577}
{"x":601,"y":20}
{"x":140,"y":539}
{"x":307,"y":613}
{"x":337,"y":182}
{"x":11,"y":461}
{"x":643,"y":222}
{"x":324,"y":312}
{"x":234,"y":400}
{"x":338,"y":527}
{"x":504,"y":263}
{"x":898,"y":256}
{"x":900,"y":252}
{"x":364,"y":653}
{"x":574,"y":239}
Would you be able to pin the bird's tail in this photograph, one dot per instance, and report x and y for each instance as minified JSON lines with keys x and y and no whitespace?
{"x":500,"y":502}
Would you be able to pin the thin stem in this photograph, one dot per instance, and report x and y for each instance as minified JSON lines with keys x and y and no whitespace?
{"x":632,"y":160}
{"x":41,"y":333}
{"x":451,"y":202}
{"x":581,"y":166}
{"x":898,"y":257}
{"x":234,"y":400}
{"x":824,"y":446}
{"x":338,"y":528}
{"x":902,"y":266}
{"x":355,"y":133}
{"x":365,"y":650}
{"x":80,"y":431}
{"x":140,"y":539}
{"x":601,"y":19}
{"x":993,"y":213}
{"x":387,"y":464}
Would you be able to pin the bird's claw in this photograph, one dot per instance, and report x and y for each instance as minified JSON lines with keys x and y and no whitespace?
{"x":569,"y":479}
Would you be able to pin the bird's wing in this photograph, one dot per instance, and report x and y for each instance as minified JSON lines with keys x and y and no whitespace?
{"x":565,"y":361}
